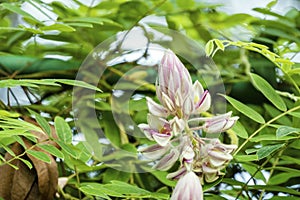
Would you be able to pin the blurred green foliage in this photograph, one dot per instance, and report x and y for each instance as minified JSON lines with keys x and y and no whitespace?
{"x":252,"y":54}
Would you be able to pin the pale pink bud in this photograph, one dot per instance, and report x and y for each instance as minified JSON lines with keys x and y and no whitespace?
{"x":213,"y":158}
{"x":202,"y":99}
{"x":174,"y":86}
{"x":219,"y":123}
{"x":188,"y":188}
{"x":219,"y":153}
{"x":156,"y":109}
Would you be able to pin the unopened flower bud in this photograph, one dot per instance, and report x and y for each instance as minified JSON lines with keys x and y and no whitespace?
{"x":174,"y":87}
{"x":202,"y":99}
{"x":188,"y":188}
{"x":219,"y":123}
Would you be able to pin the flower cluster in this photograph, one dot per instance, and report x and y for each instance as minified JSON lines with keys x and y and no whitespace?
{"x":175,"y":124}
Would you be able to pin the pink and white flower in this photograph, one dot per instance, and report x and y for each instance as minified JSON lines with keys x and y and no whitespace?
{"x":171,"y":126}
{"x":174,"y":88}
{"x":188,"y":188}
{"x":157,"y":129}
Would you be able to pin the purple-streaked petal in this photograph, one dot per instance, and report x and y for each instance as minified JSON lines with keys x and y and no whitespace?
{"x":202,"y":99}
{"x":156,"y":109}
{"x":168,"y":160}
{"x":177,"y":174}
{"x":230,"y":122}
{"x":146,"y":129}
{"x":219,"y":123}
{"x":154,"y":152}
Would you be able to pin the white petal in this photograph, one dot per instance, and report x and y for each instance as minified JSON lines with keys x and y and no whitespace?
{"x":168,"y":102}
{"x":156,"y":109}
{"x":230,"y":123}
{"x":162,"y":139}
{"x":198,"y":89}
{"x":207,"y":169}
{"x":155,"y":122}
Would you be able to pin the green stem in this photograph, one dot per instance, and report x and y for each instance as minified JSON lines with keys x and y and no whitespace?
{"x":272,"y":171}
{"x":263,"y":126}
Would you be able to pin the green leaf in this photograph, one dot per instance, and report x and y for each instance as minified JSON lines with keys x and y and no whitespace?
{"x":42,"y":122}
{"x":271,"y":137}
{"x":111,"y":129}
{"x":63,"y":130}
{"x":274,"y":188}
{"x":219,"y":44}
{"x":291,"y":160}
{"x":239,"y":130}
{"x":6,"y":113}
{"x":246,"y":110}
{"x":162,"y":177}
{"x":209,"y":47}
{"x":26,"y":83}
{"x":93,"y":20}
{"x":68,"y":148}
{"x":271,"y":4}
{"x":12,"y":132}
{"x":52,"y":150}
{"x":295,"y":114}
{"x":274,"y":112}
{"x":58,"y":27}
{"x":77,"y":83}
{"x":246,"y":158}
{"x":112,"y":174}
{"x":84,"y":151}
{"x":94,"y":189}
{"x":26,"y":162}
{"x":284,"y":198}
{"x":264,"y":87}
{"x":39,"y":155}
{"x":133,"y":191}
{"x":282,"y":178}
{"x":16,"y":9}
{"x":79,"y":24}
{"x":267,"y":150}
{"x":252,"y":169}
{"x":286,"y":130}
{"x":7,"y":149}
